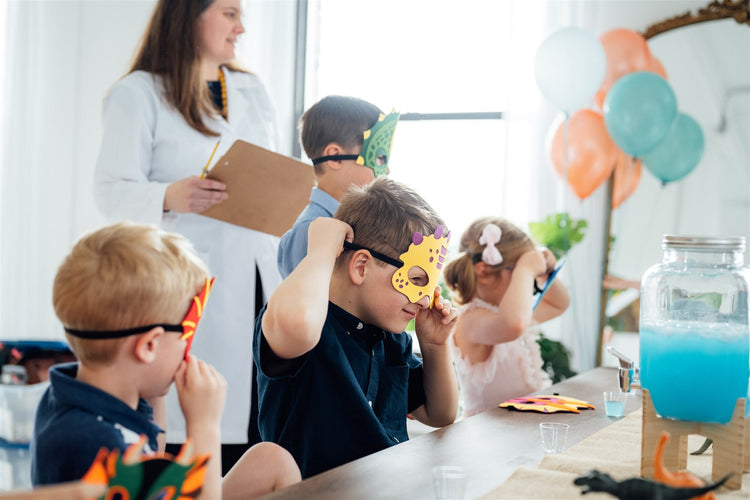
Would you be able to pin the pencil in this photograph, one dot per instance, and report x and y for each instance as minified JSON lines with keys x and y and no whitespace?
{"x":205,"y":169}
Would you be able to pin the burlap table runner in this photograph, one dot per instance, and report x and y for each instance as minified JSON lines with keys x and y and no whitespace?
{"x":615,"y":450}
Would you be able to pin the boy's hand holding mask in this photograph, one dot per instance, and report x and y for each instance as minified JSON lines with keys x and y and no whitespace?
{"x":434,"y":325}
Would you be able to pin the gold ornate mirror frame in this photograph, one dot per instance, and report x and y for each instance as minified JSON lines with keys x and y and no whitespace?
{"x":739,"y":10}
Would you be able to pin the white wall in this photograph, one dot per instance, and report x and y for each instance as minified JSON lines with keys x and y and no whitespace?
{"x":61,"y":58}
{"x":702,"y":62}
{"x":267,"y":49}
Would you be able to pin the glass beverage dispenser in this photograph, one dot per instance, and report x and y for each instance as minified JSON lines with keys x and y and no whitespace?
{"x":694,"y":338}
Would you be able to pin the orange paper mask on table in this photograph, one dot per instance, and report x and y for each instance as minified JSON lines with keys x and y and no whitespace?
{"x":547,"y":404}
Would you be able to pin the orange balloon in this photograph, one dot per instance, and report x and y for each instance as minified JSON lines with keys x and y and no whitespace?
{"x":627,"y":51}
{"x":590,"y":152}
{"x":657,"y":67}
{"x":626,"y":177}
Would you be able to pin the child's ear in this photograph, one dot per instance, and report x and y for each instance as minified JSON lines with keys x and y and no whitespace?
{"x":358,"y":266}
{"x":146,"y":343}
{"x":332,"y":149}
{"x":482,"y":271}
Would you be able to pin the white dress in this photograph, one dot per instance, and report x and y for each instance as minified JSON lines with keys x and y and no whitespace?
{"x":146,"y":145}
{"x":513,"y":369}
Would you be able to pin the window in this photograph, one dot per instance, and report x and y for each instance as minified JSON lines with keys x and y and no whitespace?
{"x":441,"y":64}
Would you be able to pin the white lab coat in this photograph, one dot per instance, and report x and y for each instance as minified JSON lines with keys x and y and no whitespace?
{"x":146,"y":145}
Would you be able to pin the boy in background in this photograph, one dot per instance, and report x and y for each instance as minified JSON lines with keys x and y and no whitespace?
{"x":122,"y":295}
{"x":332,"y":134}
{"x":336,"y":375}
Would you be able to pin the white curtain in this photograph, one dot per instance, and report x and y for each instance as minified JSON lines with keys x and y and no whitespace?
{"x":55,"y":65}
{"x":60,"y":58}
{"x":268,"y":49}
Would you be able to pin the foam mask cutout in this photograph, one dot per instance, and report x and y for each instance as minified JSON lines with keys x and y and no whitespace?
{"x":137,"y":477}
{"x":377,"y":144}
{"x":194,"y":314}
{"x":427,"y":253}
{"x":547,"y":404}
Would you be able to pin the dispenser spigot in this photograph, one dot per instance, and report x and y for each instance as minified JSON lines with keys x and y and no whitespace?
{"x":628,"y":376}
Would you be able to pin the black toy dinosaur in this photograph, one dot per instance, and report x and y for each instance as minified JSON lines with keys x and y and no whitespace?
{"x":638,"y":488}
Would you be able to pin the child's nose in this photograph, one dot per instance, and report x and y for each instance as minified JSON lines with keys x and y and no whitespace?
{"x":424,"y":302}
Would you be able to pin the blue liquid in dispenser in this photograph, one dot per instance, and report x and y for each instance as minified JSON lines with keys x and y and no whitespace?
{"x":696,"y":371}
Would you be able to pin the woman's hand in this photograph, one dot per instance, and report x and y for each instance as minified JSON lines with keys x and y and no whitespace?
{"x":194,"y":195}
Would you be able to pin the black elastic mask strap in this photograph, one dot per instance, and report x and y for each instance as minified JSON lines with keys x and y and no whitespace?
{"x":333,"y":158}
{"x":377,"y":255}
{"x":116,"y":334}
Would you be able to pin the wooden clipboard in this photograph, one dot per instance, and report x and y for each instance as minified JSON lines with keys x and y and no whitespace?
{"x":267,"y":191}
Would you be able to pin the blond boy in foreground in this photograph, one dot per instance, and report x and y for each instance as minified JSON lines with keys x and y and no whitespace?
{"x":122,"y":295}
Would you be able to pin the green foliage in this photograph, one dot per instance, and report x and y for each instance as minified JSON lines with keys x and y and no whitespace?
{"x":558,"y":232}
{"x":411,"y":327}
{"x":556,"y":359}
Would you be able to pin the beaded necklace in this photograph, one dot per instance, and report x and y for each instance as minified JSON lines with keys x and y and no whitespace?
{"x":224,"y":110}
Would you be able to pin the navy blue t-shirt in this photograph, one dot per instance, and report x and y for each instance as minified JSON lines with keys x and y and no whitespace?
{"x":346,"y":398}
{"x":74,"y":420}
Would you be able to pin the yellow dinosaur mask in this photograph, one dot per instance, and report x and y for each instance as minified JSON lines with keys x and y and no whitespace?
{"x":425,"y":252}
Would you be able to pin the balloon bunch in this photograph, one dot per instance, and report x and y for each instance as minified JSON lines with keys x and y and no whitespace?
{"x":633,"y":118}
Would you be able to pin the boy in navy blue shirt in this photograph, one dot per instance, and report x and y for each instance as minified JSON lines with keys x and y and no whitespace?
{"x":129,"y":297}
{"x":336,"y":377}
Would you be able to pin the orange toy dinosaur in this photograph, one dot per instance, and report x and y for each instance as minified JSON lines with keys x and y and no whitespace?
{"x":679,"y":479}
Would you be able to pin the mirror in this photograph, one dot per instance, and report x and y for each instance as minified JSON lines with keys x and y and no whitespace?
{"x":707,"y":61}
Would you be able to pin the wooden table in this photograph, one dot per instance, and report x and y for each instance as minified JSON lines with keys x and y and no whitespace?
{"x":490,"y":446}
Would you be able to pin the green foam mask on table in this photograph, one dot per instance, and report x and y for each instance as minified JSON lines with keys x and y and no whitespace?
{"x":133,"y":476}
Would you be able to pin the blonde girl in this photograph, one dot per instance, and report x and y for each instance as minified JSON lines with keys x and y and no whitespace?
{"x":495,"y":277}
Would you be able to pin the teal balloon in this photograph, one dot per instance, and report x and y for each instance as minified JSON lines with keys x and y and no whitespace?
{"x":638,"y":111}
{"x":680,"y":151}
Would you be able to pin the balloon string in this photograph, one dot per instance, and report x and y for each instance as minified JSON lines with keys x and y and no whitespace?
{"x":564,"y":218}
{"x":628,"y":181}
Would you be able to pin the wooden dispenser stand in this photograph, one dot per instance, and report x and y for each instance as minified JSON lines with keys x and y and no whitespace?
{"x":731,"y":443}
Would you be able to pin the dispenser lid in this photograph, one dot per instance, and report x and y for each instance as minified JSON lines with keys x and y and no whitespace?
{"x":705,"y":242}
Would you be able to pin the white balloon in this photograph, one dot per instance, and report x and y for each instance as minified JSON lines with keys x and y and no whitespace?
{"x":569,"y":68}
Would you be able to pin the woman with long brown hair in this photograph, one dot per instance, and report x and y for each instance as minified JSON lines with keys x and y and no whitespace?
{"x":161,"y":122}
